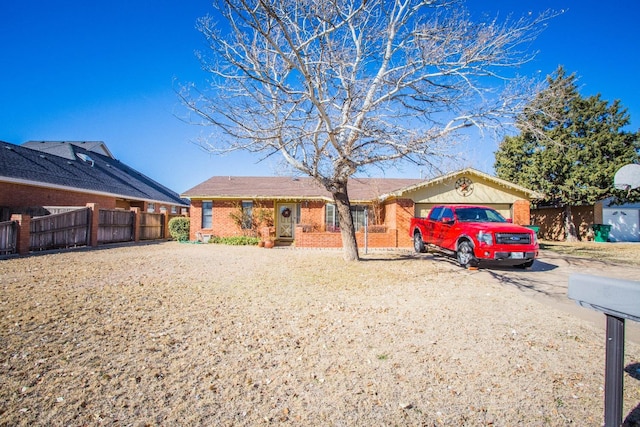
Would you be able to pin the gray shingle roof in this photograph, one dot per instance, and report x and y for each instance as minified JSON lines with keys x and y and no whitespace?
{"x":85,"y":170}
{"x":360,"y":189}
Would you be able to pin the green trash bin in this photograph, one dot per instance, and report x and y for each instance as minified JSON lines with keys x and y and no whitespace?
{"x":601,"y":232}
{"x":535,"y":228}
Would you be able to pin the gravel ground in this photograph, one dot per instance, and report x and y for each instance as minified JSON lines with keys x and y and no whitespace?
{"x":185,"y":334}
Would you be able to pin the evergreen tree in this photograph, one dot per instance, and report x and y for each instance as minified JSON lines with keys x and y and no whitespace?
{"x":569,"y":147}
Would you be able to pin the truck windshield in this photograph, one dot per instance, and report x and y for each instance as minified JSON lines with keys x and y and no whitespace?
{"x":479,"y":215}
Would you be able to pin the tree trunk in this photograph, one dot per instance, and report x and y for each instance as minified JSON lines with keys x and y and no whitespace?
{"x":345,"y":220}
{"x":570,"y":228}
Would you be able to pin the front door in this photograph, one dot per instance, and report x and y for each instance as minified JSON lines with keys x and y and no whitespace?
{"x":286,"y":221}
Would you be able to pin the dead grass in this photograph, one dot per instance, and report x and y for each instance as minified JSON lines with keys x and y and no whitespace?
{"x":179,"y":334}
{"x":624,"y":253}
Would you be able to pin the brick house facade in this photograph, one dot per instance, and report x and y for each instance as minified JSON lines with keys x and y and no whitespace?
{"x":389,"y":205}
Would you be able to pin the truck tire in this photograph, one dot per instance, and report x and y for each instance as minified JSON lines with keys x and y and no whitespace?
{"x":465,"y":255}
{"x":527,"y":264}
{"x":418,"y":244}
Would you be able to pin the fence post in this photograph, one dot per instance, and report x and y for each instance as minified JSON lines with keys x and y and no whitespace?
{"x":24,"y":233}
{"x":165,"y":226}
{"x":94,"y":224}
{"x":136,"y":224}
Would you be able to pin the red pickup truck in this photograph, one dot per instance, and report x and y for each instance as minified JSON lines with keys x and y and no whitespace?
{"x":474,"y":235}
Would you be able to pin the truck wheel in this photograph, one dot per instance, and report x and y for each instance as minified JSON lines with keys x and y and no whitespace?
{"x":465,"y":255}
{"x":418,"y":244}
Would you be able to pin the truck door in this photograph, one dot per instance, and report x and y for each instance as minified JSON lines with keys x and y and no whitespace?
{"x":444,"y":225}
{"x":431,"y":225}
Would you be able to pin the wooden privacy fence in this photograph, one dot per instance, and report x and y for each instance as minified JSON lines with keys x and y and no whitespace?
{"x":151,"y":226}
{"x":63,"y":230}
{"x":8,"y":237}
{"x":116,"y":225}
{"x":88,"y":226}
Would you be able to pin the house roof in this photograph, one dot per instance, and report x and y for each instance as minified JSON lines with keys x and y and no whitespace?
{"x":66,"y":148}
{"x":305,"y":188}
{"x":243,"y":187}
{"x":87,"y":171}
{"x":468,"y":171}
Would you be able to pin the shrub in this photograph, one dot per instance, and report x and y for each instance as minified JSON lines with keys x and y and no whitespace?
{"x":179,"y":228}
{"x":235,"y":240}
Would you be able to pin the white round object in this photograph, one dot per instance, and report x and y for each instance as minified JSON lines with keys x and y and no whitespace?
{"x":627,"y":177}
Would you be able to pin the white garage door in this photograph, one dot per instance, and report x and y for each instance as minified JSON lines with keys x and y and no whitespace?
{"x":625,"y":224}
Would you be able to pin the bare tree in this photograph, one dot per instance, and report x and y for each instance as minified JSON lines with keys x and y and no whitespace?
{"x":336,"y":86}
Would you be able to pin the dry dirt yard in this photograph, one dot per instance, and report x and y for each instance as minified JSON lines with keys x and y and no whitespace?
{"x":185,"y":334}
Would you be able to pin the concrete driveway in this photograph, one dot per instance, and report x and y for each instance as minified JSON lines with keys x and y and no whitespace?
{"x":547,"y":281}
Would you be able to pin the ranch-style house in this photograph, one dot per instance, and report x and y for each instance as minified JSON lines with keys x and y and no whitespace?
{"x":297,"y":211}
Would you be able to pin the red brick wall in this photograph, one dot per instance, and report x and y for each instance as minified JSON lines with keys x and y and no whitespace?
{"x":522,"y":212}
{"x":222,"y":225}
{"x":334,"y":240}
{"x":398,"y":214}
{"x":29,"y":196}
{"x":312,"y":213}
{"x":18,"y":195}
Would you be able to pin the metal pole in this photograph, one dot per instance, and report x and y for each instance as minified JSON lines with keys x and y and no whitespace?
{"x":366,"y":234}
{"x":613,"y":381}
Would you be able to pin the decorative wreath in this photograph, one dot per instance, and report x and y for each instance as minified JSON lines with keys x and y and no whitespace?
{"x":286,"y":212}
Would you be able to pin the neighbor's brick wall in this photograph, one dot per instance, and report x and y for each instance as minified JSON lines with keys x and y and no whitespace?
{"x":18,"y":195}
{"x":29,"y":196}
{"x":551,"y":222}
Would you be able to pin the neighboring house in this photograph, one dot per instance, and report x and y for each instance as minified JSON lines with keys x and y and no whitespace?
{"x":623,"y":219}
{"x":62,"y":173}
{"x":303,"y":213}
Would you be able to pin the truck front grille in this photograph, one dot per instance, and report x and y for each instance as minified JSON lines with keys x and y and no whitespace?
{"x":513,"y":238}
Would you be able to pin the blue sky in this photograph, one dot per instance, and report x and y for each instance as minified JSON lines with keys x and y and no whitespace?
{"x":106,"y":70}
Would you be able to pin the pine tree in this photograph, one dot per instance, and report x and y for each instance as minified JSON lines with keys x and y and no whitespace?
{"x":569,"y":147}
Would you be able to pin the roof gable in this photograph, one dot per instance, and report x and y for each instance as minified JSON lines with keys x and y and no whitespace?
{"x":469,"y":172}
{"x":86,"y":171}
{"x":66,"y":148}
